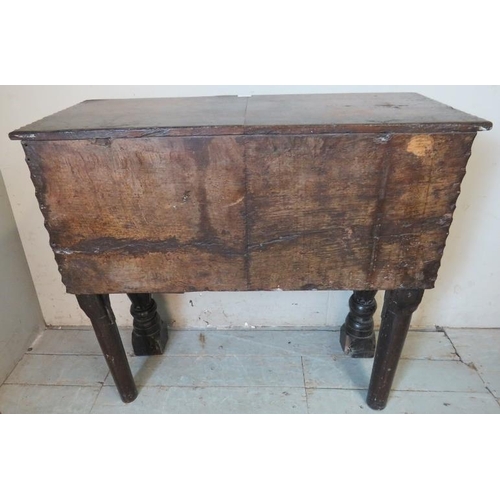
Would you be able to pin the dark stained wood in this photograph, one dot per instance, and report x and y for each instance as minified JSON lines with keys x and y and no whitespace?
{"x":144,"y":215}
{"x":362,"y":212}
{"x":98,"y":309}
{"x":358,"y":113}
{"x":129,"y":118}
{"x":341,"y":191}
{"x":230,"y":115}
{"x":183,"y":191}
{"x":399,"y":305}
{"x":150,"y":333}
{"x":174,"y":272}
{"x":357,"y":334}
{"x":342,"y":211}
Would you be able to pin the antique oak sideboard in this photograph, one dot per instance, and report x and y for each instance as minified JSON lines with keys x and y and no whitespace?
{"x":298,"y":192}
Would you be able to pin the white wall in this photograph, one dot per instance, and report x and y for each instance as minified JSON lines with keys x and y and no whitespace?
{"x":20,"y":315}
{"x":466,"y":293}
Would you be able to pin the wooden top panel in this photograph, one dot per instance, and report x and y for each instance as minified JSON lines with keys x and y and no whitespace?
{"x":232,"y":115}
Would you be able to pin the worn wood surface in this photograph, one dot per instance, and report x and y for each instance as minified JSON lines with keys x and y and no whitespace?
{"x":336,"y":211}
{"x":357,"y":334}
{"x":399,"y":305}
{"x":147,"y":211}
{"x":150,"y":333}
{"x":98,"y":309}
{"x":351,"y":211}
{"x":232,"y":115}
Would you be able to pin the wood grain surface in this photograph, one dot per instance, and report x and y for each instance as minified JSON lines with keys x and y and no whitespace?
{"x":232,"y":115}
{"x":177,"y":214}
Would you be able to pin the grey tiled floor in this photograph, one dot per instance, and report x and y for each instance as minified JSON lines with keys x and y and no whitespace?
{"x":456,"y":371}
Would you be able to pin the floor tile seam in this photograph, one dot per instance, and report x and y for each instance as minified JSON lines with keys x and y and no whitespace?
{"x":467,"y":328}
{"x":470,"y":364}
{"x":140,"y":386}
{"x":65,"y":354}
{"x":165,"y":356}
{"x":304,"y":382}
{"x":453,"y":345}
{"x":289,"y":386}
{"x":336,"y":357}
{"x":127,"y":330}
{"x":493,"y":395}
{"x":355,"y":360}
{"x":268,"y":328}
{"x":402,"y":360}
{"x":263,"y":386}
{"x":41,"y":384}
{"x":364,"y":389}
{"x":307,"y":389}
{"x":95,"y":398}
{"x":11,"y":371}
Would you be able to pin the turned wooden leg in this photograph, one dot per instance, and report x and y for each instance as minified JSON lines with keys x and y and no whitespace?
{"x":150,"y":333}
{"x":98,"y":309}
{"x":357,"y":335}
{"x":399,"y":305}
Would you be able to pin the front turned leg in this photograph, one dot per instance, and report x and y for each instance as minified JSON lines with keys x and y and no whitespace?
{"x":150,"y":333}
{"x":399,"y":305}
{"x":357,"y":335}
{"x":98,"y":309}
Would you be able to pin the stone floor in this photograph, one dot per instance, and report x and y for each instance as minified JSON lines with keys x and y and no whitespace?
{"x":254,"y":371}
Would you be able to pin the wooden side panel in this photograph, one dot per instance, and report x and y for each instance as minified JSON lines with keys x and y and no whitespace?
{"x":174,"y":271}
{"x":144,"y":215}
{"x":351,"y":211}
{"x":342,"y":211}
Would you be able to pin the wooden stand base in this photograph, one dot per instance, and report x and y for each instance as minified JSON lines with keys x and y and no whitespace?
{"x":357,"y":335}
{"x":150,"y":336}
{"x":98,"y":309}
{"x":399,"y":305}
{"x":150,"y":333}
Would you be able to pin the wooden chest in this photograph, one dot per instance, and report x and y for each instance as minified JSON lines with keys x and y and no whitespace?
{"x":326,"y":192}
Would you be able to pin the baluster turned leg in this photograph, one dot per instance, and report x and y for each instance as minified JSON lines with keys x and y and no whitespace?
{"x":150,"y":333}
{"x":399,"y":305}
{"x":98,"y":309}
{"x":357,"y":335}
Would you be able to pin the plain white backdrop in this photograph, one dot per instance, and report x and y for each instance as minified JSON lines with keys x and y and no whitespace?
{"x":466,"y":293}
